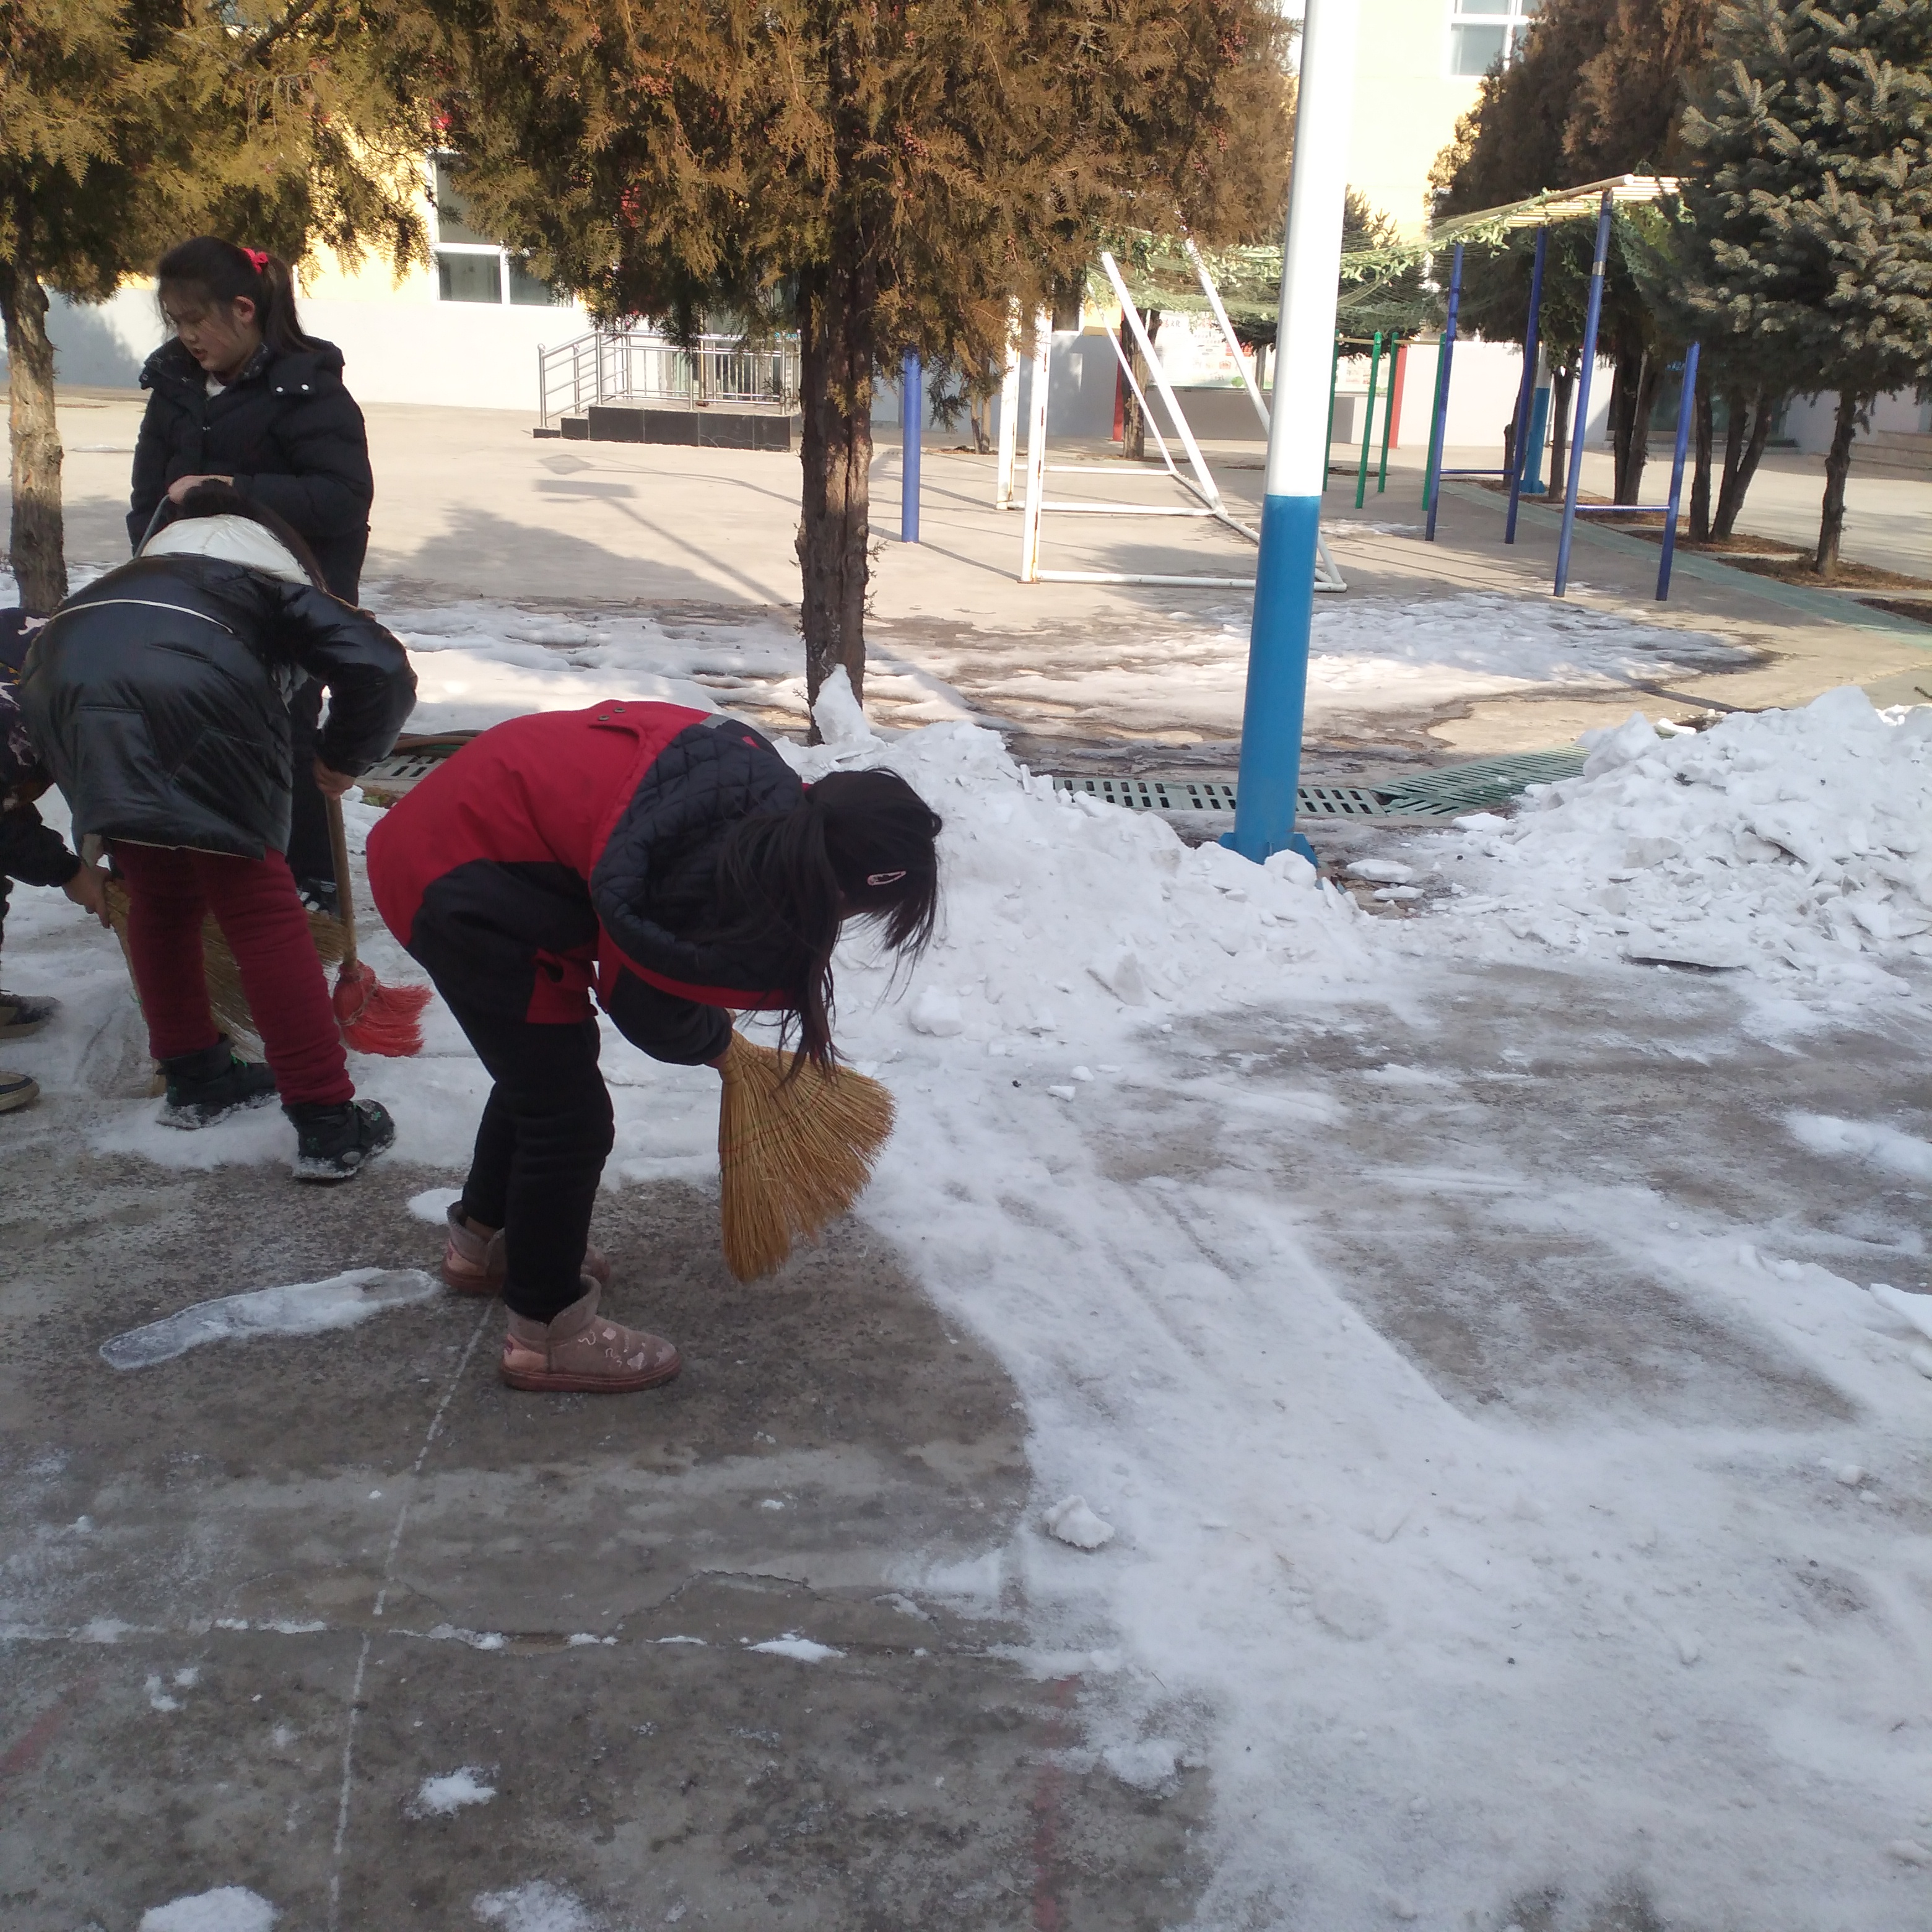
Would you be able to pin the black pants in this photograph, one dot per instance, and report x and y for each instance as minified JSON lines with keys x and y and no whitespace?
{"x":309,"y":855}
{"x":546,"y":1132}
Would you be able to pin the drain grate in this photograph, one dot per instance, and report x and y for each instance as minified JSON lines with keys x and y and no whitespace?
{"x":1445,"y":793}
{"x":1157,"y":794}
{"x":1452,"y":789}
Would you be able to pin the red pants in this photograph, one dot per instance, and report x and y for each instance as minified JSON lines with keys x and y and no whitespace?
{"x":254,"y":902}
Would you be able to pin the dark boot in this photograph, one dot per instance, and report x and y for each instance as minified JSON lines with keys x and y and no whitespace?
{"x":335,"y":1143}
{"x":206,"y":1086}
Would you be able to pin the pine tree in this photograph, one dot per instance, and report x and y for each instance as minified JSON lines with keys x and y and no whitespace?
{"x":126,"y":124}
{"x":888,"y":174}
{"x":1811,"y":194}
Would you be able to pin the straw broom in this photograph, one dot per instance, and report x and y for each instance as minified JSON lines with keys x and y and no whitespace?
{"x":225,"y":999}
{"x":373,"y":1017}
{"x":794,"y":1153}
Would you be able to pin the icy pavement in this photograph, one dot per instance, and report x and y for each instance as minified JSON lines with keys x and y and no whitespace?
{"x":1500,"y":1362}
{"x":479,"y":662}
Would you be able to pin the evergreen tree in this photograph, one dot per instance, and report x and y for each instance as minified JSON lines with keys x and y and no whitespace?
{"x":890,"y":173}
{"x":126,"y":124}
{"x":1810,"y":194}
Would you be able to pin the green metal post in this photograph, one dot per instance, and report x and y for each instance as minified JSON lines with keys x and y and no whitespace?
{"x":1369,"y":423}
{"x":1388,"y":420}
{"x":1334,"y":375}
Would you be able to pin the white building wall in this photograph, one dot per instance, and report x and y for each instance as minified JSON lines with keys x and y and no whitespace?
{"x":405,"y":350}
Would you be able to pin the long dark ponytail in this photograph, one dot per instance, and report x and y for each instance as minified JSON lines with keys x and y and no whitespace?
{"x":858,"y":845}
{"x":223,"y":273}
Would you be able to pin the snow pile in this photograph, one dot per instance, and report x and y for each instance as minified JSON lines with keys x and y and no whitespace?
{"x":229,"y":1908}
{"x":1066,"y":919}
{"x":1797,"y":844}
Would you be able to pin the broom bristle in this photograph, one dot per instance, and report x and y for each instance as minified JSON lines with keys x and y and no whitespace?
{"x":376,"y":1018}
{"x":794,"y":1154}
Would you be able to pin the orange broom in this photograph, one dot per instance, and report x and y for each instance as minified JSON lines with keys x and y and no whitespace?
{"x":794,"y":1150}
{"x":374,"y":1018}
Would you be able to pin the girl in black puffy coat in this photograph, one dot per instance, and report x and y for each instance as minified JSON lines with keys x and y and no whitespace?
{"x":160,"y":697}
{"x":241,"y":396}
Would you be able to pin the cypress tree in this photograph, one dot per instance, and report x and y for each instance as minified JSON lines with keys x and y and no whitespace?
{"x":880,"y":174}
{"x":126,"y":124}
{"x":1809,"y":191}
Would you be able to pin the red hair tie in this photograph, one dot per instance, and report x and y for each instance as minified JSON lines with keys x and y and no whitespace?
{"x":259,"y":257}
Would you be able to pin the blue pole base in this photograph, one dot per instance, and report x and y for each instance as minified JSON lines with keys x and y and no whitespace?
{"x":1277,"y":693}
{"x":1296,"y":844}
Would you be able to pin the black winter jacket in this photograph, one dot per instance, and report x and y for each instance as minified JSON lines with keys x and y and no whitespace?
{"x":285,"y":429}
{"x":159,"y":698}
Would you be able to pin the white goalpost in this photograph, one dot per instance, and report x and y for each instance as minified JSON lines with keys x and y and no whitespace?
{"x":1199,"y":483}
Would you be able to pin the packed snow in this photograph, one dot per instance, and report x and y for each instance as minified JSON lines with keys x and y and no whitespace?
{"x":302,"y":1308}
{"x":800,"y":1649}
{"x":538,"y":1907}
{"x":229,"y":1908}
{"x":444,"y":1797}
{"x":1416,"y":1645}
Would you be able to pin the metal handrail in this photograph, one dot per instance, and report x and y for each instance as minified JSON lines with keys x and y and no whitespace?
{"x":639,"y":365}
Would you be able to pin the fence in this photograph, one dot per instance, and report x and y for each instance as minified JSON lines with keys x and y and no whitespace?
{"x":630,"y":366}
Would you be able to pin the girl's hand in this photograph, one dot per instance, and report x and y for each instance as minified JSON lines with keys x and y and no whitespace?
{"x":89,"y":888}
{"x":181,"y":485}
{"x":331,"y":783}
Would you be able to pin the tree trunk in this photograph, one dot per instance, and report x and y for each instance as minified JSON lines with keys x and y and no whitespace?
{"x":1837,"y":467}
{"x":1742,"y":449}
{"x":836,"y":309}
{"x":1562,"y":381}
{"x":1700,"y":477}
{"x":38,"y":556}
{"x":1632,"y":400}
{"x":1133,"y":424}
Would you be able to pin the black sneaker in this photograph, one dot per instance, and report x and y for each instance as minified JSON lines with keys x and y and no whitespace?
{"x":334,"y":1143}
{"x":319,"y":895}
{"x":20,"y":1016}
{"x":206,"y":1086}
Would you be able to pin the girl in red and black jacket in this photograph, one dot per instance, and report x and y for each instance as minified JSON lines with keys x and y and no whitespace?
{"x":670,"y":863}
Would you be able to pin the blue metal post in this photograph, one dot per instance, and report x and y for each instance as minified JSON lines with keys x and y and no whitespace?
{"x":1539,"y":429}
{"x":1687,"y":401}
{"x":1431,"y":485}
{"x":1520,"y":453}
{"x":1585,"y":363}
{"x":912,"y":407}
{"x":1298,"y":454}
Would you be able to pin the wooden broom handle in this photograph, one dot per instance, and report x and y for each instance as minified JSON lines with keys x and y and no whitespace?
{"x":345,"y":900}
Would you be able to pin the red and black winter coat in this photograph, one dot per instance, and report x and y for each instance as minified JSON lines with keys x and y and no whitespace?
{"x":576,"y":852}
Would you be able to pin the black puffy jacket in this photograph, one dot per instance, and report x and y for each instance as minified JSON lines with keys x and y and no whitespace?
{"x":158,"y":697}
{"x":286,"y":429}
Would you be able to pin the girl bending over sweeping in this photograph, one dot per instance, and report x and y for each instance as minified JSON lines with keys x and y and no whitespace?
{"x":672,"y":863}
{"x":161,"y":697}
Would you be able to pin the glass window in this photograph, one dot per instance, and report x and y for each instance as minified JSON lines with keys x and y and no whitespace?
{"x":1484,"y":32}
{"x":529,"y":293}
{"x":463,"y":276}
{"x":1474,"y":50}
{"x":452,"y":212}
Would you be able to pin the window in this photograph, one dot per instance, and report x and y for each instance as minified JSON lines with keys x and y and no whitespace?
{"x":470,"y":268}
{"x":1482,"y":32}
